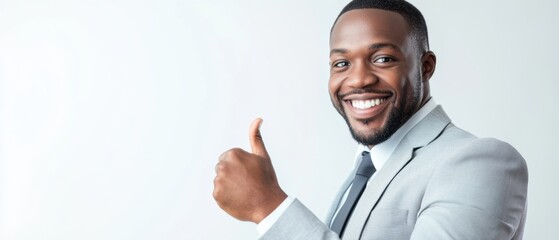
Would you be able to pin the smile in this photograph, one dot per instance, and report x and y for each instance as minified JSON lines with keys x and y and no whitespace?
{"x":366,"y":104}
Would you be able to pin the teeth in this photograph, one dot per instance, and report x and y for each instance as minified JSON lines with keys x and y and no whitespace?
{"x":365,"y":104}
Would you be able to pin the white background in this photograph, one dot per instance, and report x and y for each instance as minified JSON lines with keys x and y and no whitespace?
{"x":113,"y":113}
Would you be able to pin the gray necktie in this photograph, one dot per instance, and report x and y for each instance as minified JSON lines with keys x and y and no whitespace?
{"x":364,"y":172}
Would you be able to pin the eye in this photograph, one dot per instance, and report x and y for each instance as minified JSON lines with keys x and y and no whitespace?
{"x":384,"y":60}
{"x":340,"y":64}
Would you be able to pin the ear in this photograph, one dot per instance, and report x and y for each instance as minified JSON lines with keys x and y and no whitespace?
{"x":428,"y":64}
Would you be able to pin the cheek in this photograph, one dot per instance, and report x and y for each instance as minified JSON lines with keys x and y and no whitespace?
{"x":334,"y":86}
{"x":407,"y":93}
{"x":397,"y":81}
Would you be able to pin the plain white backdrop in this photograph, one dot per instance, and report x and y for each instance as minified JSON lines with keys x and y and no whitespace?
{"x":113,"y":113}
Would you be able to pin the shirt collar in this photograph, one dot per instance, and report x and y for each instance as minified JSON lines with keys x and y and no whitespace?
{"x":382,"y":151}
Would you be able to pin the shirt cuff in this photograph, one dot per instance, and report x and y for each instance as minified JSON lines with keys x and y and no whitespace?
{"x":269,"y":220}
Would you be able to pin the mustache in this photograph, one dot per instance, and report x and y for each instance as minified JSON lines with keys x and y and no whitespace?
{"x":363,"y":91}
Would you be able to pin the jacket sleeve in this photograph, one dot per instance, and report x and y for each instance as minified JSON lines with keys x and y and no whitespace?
{"x":298,"y":222}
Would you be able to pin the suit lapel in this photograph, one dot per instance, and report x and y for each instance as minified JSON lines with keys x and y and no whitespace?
{"x":420,"y":135}
{"x":337,"y":200}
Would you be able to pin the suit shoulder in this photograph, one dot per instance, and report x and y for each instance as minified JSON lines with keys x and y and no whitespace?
{"x":455,"y":143}
{"x":491,"y":148}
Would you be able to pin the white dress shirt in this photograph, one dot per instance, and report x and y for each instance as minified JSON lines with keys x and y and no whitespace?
{"x":379,"y":155}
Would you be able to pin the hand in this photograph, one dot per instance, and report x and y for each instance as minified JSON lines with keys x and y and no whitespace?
{"x":246,"y":186}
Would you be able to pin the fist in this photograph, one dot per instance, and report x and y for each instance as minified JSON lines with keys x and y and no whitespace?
{"x":245,"y":185}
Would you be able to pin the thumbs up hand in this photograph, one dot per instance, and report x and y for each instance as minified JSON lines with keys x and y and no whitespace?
{"x":246,"y":186}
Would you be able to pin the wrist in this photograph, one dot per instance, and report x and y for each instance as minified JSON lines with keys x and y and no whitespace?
{"x":268,"y":206}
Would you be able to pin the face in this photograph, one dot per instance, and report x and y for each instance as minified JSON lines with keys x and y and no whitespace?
{"x":378,"y":77}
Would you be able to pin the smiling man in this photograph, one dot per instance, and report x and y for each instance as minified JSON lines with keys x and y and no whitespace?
{"x":416,"y":176}
{"x":379,"y":76}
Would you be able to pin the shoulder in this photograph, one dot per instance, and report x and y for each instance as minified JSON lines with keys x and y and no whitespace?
{"x":460,"y":144}
{"x":484,"y":161}
{"x":456,"y":141}
{"x":484,"y":177}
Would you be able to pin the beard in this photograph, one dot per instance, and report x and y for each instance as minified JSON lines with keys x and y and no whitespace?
{"x":396,"y":118}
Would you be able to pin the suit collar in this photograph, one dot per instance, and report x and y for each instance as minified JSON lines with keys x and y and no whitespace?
{"x":382,"y":151}
{"x":419,"y":136}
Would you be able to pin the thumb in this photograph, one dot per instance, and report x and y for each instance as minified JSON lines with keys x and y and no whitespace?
{"x":255,"y":138}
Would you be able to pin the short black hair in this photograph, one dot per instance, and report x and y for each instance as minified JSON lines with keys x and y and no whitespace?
{"x":414,"y":18}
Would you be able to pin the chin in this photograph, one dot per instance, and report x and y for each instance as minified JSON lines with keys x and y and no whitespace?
{"x":365,"y":133}
{"x":371,"y":132}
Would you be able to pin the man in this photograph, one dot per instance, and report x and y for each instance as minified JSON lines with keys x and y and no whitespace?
{"x":417,"y":175}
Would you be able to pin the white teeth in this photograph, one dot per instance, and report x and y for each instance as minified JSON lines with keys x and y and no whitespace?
{"x":365,"y":104}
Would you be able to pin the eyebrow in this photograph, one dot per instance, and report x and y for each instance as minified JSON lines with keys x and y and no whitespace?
{"x":338,"y":50}
{"x":383,"y":45}
{"x":374,"y":46}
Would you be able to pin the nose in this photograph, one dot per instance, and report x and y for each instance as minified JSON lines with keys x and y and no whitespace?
{"x":361,"y":76}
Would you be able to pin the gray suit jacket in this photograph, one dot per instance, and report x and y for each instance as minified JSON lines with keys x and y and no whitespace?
{"x":440,"y":183}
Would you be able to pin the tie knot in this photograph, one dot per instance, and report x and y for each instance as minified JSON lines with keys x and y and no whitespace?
{"x":366,"y":167}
